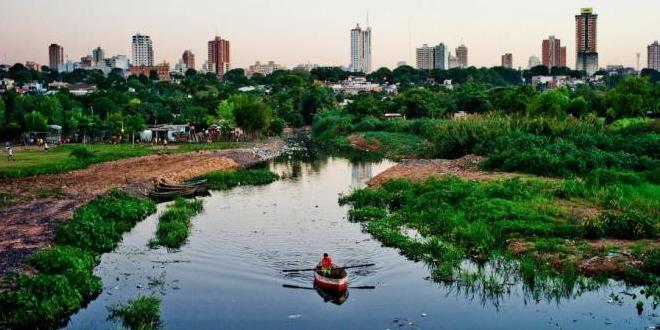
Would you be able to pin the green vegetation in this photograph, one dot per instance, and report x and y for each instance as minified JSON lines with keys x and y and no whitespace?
{"x":64,"y":279}
{"x":174,"y":223}
{"x":72,"y":157}
{"x":142,"y":313}
{"x":224,"y":180}
{"x":478,"y":221}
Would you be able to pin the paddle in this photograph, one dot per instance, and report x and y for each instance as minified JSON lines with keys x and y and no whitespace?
{"x":308,"y":288}
{"x":312,"y":269}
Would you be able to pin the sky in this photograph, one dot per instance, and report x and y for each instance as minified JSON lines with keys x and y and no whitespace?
{"x":291,"y":32}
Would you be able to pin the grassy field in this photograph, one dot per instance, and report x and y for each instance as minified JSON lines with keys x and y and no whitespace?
{"x":68,"y":157}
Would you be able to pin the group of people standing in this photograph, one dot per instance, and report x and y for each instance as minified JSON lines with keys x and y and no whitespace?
{"x":10,"y":149}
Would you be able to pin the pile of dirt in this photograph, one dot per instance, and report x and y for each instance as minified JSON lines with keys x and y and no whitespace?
{"x":31,"y":223}
{"x":422,"y":169}
{"x":361,"y":143}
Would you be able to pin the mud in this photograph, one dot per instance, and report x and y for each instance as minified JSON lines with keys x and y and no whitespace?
{"x":31,"y":223}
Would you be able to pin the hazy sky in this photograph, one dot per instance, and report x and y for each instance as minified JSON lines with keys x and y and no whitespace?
{"x":291,"y":32}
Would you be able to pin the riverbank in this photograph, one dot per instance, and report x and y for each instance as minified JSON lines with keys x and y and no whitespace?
{"x":44,"y":201}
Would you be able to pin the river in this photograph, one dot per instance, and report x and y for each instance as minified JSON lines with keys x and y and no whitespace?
{"x":229,"y":275}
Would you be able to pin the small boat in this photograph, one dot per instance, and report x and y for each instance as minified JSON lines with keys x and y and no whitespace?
{"x":336,"y":281}
{"x":335,"y":297}
{"x":170,"y":195}
{"x":199,"y":183}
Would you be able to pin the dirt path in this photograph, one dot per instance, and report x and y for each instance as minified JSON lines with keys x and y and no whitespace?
{"x":31,"y":224}
{"x":421,"y":169}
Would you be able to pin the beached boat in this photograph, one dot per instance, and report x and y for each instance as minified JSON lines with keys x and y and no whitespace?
{"x":170,"y":195}
{"x":198,"y":186}
{"x":336,"y":281}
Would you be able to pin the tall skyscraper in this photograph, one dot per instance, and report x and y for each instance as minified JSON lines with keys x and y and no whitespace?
{"x":552,"y":53}
{"x":98,"y":57}
{"x":55,"y":56}
{"x":440,"y":60}
{"x":586,"y":41}
{"x":425,"y":57}
{"x":188,"y":59}
{"x":219,"y":56}
{"x":462,"y":55}
{"x":507,"y":60}
{"x":142,"y":50}
{"x":361,"y":49}
{"x":533,"y":61}
{"x":654,"y":56}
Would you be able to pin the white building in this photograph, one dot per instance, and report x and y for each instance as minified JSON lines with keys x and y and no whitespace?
{"x":263,"y":69}
{"x":355,"y":85}
{"x":180,"y":67}
{"x":425,"y":57}
{"x":533,"y":61}
{"x":361,"y":50}
{"x":654,"y":56}
{"x":142,"y":50}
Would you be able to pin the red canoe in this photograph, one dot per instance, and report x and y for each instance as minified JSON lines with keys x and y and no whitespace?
{"x":336,"y":281}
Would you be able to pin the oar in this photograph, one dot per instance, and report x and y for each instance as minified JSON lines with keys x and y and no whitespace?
{"x":311,"y":269}
{"x":290,"y":286}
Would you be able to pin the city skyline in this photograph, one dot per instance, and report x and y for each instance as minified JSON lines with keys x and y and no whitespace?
{"x":485,"y":28}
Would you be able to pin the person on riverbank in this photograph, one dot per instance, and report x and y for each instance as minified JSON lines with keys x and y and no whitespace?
{"x":326,"y":264}
{"x":10,"y":154}
{"x":46,"y":146}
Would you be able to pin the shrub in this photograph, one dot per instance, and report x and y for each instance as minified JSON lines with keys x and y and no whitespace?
{"x":81,"y":153}
{"x":174,"y":224}
{"x":366,"y":214}
{"x":223,"y":180}
{"x":630,"y":224}
{"x":142,"y":313}
{"x":652,"y":261}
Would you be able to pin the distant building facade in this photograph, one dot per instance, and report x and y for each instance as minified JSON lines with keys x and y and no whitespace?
{"x":507,"y":60}
{"x":552,"y":53}
{"x":361,"y":49}
{"x":453,"y":62}
{"x":188,"y":58}
{"x":263,"y":69}
{"x":462,"y":56}
{"x":55,"y":56}
{"x":654,"y":56}
{"x":142,"y":50}
{"x":533,"y":61}
{"x":98,"y":57}
{"x":440,"y":54}
{"x":425,"y":57}
{"x":32,"y":65}
{"x":586,"y":41}
{"x":219,"y":56}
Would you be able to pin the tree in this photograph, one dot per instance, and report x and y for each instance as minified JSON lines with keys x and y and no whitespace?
{"x":578,"y":107}
{"x":553,"y":103}
{"x":251,"y":113}
{"x":419,"y":102}
{"x":134,"y":124}
{"x":3,"y":119}
{"x":364,"y":104}
{"x":632,"y":96}
{"x":36,"y":122}
{"x":236,"y":76}
{"x":381,"y":76}
{"x":195,"y":114}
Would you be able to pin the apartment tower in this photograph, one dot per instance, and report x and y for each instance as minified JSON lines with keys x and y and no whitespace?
{"x":142,"y":50}
{"x":586,"y":41}
{"x":219,"y":56}
{"x":361,"y":49}
{"x":552,"y":53}
{"x":55,"y":56}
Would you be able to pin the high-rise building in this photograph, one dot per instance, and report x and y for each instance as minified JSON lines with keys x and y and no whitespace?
{"x":440,"y":60}
{"x":219,"y":56}
{"x":55,"y":56}
{"x":361,"y":49}
{"x":586,"y":41}
{"x":533,"y":61}
{"x":188,"y":59}
{"x":654,"y":56}
{"x":462,"y":56}
{"x":453,"y":62}
{"x":425,"y":57}
{"x":32,"y":65}
{"x":98,"y":57}
{"x":142,"y":50}
{"x":507,"y":60}
{"x":552,"y":53}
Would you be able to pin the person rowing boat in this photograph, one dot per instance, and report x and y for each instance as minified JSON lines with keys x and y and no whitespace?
{"x":326,"y":264}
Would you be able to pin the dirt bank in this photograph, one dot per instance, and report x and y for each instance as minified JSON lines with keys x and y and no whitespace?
{"x":421,"y":169}
{"x":31,"y":224}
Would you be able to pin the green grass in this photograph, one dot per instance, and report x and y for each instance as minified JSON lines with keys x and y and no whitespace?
{"x":398,"y":145}
{"x":474,"y":220}
{"x":223,"y":180}
{"x":143,"y":313}
{"x":72,"y":157}
{"x":64,"y":279}
{"x":174,"y":224}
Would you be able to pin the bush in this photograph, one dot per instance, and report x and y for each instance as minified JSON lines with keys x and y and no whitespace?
{"x":174,"y":223}
{"x":652,"y":261}
{"x":630,"y":224}
{"x":142,"y":313}
{"x":81,"y":153}
{"x":366,"y":214}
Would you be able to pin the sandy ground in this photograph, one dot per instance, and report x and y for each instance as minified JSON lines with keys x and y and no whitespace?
{"x":31,"y":224}
{"x":421,"y":169}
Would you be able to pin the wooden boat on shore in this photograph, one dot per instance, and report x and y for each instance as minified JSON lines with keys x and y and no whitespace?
{"x":172,"y":194}
{"x":336,"y":281}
